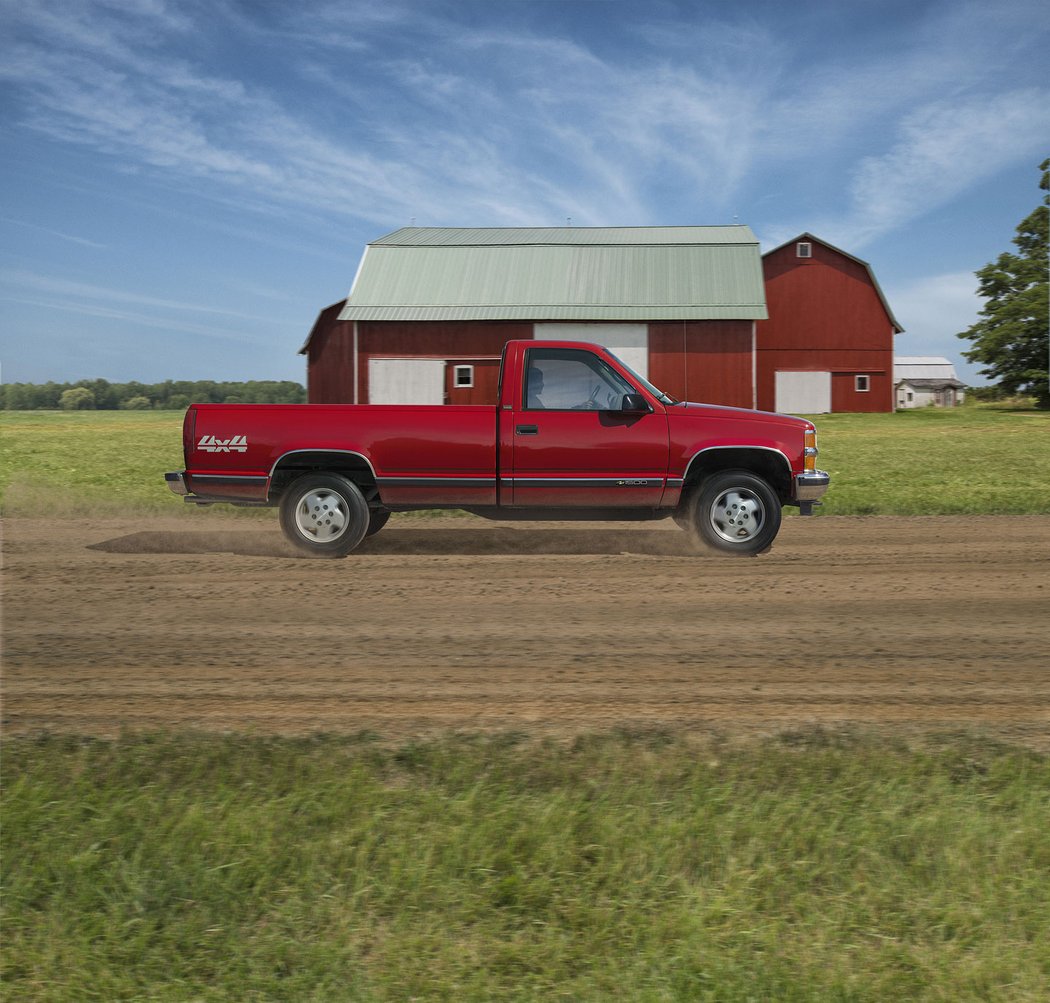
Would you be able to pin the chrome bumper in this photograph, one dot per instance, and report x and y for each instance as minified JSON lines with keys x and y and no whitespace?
{"x":177,"y":483}
{"x":809,"y":487}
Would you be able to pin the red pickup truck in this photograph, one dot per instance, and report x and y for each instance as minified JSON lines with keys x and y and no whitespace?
{"x":575,"y":434}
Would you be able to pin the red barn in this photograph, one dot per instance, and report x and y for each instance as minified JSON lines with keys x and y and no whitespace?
{"x":828,"y":342}
{"x":431,"y":309}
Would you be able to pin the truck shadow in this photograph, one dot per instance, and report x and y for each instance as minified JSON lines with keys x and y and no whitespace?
{"x":419,"y":542}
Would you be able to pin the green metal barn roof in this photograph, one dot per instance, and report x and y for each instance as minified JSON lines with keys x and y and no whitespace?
{"x":560,"y":273}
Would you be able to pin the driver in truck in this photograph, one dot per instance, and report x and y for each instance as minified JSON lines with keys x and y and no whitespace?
{"x":534,"y":387}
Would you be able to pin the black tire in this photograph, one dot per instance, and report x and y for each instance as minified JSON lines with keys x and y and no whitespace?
{"x":377,"y":519}
{"x":736,"y":512}
{"x":324,"y":515}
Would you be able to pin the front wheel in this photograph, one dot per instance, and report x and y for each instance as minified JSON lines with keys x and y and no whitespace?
{"x":324,"y":515}
{"x":736,"y":512}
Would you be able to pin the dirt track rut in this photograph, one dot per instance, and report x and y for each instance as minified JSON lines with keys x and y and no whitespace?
{"x":214,"y":623}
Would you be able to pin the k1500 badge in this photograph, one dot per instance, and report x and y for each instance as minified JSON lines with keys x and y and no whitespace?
{"x":235,"y":444}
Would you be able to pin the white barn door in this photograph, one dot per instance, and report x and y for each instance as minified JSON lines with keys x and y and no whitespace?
{"x":803,"y":393}
{"x":406,"y":381}
{"x":629,"y":342}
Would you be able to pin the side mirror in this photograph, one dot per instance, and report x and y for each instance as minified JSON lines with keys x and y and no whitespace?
{"x":634,"y":404}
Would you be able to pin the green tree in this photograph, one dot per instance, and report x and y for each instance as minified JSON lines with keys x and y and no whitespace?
{"x":1012,"y":338}
{"x":48,"y":396}
{"x":16,"y":397}
{"x":106,"y":395}
{"x":77,"y":399}
{"x":136,"y":404}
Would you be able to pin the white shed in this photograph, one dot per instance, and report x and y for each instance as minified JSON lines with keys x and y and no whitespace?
{"x":922,"y":380}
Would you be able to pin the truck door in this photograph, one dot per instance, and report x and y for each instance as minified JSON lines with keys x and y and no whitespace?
{"x":572,"y":446}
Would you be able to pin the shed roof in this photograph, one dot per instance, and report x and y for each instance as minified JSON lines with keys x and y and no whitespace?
{"x":918,"y":383}
{"x":560,"y":273}
{"x":921,"y":360}
{"x":925,"y":367}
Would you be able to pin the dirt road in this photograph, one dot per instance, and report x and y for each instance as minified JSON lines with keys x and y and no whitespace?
{"x":214,"y":623}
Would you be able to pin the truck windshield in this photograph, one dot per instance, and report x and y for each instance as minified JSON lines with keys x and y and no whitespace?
{"x":655,"y":391}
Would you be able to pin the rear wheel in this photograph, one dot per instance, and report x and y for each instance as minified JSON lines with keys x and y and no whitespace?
{"x":324,"y":515}
{"x":736,"y":512}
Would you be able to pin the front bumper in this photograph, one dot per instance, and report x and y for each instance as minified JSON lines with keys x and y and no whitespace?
{"x":809,"y":488}
{"x":811,"y":485}
{"x":177,"y":482}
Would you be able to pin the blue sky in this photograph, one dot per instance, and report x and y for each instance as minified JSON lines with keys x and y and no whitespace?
{"x":185,"y":183}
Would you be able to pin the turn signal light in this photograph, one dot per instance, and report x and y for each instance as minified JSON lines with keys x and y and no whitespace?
{"x":811,"y":449}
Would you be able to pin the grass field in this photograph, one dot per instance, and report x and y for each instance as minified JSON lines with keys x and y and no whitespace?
{"x":969,"y":460}
{"x":636,"y":867}
{"x":76,"y":461}
{"x":972,"y":460}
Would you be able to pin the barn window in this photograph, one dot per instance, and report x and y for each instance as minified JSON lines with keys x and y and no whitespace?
{"x":862,"y":384}
{"x":463,"y":376}
{"x":805,"y":249}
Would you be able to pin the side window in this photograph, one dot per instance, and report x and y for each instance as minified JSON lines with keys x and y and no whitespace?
{"x":563,"y":379}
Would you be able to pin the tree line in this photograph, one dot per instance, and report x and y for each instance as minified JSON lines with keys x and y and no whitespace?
{"x":171,"y":395}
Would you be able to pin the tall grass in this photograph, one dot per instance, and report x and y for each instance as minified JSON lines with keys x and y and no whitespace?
{"x":971,"y":460}
{"x":641,"y":867}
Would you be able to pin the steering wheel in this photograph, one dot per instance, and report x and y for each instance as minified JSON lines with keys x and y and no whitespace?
{"x":591,"y":403}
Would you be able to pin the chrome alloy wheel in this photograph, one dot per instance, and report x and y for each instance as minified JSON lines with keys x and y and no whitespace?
{"x":737,"y":515}
{"x":321,"y":515}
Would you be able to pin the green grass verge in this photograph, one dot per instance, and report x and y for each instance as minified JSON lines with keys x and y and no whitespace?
{"x":971,"y":460}
{"x":810,"y":867}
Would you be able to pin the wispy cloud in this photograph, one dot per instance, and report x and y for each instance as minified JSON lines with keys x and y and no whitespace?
{"x":71,"y":238}
{"x":86,"y":296}
{"x":516,"y":125}
{"x":409,"y":110}
{"x":942,"y":150}
{"x":136,"y":320}
{"x":904,"y":132}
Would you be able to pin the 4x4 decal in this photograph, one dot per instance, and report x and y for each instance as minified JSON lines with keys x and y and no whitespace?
{"x":235,"y":444}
